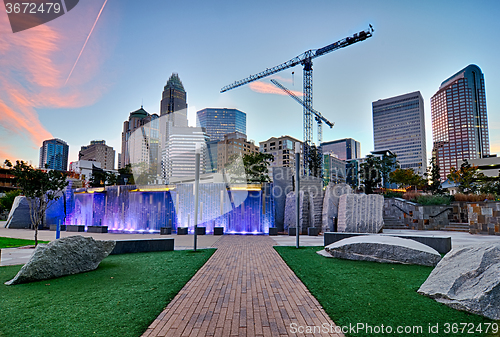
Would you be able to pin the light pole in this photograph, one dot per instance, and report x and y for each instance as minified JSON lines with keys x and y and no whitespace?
{"x":297,"y":191}
{"x":197,"y":152}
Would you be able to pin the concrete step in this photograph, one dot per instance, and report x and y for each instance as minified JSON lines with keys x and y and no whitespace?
{"x":456,"y":227}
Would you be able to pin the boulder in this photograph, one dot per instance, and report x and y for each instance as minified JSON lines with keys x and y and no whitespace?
{"x":468,"y":279}
{"x":384,"y":249}
{"x":19,"y":215}
{"x":67,"y":256}
{"x":331,"y":205}
{"x":360,"y":213}
{"x":290,"y":221}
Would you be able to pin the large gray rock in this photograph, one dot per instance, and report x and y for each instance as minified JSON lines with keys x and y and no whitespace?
{"x":67,"y":256}
{"x":19,"y":215}
{"x":331,"y":205}
{"x":360,"y":213}
{"x":290,"y":215}
{"x":384,"y":249}
{"x":468,"y":279}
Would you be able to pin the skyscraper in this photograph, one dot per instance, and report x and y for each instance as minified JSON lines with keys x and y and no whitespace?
{"x":399,"y":126}
{"x":459,"y":120}
{"x":140,"y":140}
{"x":345,"y":149}
{"x":100,"y":152}
{"x":54,"y":153}
{"x":221,"y":121}
{"x":174,"y":97}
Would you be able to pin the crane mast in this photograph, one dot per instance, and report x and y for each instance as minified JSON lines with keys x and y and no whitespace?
{"x":305,"y":59}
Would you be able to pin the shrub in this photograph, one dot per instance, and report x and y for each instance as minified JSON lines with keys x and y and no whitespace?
{"x":411,"y":195}
{"x":393,"y":194}
{"x":473,"y":197}
{"x":434,"y":199}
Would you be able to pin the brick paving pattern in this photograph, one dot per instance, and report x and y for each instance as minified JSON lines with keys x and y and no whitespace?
{"x":245,"y":289}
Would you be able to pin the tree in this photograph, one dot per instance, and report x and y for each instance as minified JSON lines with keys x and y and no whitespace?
{"x":406,"y":177}
{"x":369,"y":173}
{"x":435,"y":185}
{"x":111,"y":179}
{"x":7,"y":200}
{"x":126,"y":173}
{"x":255,"y":167}
{"x":388,"y":163}
{"x":41,"y":189}
{"x":466,"y":176}
{"x":315,"y":162}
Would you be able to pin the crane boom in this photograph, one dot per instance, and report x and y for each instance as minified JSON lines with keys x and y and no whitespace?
{"x":318,"y":115}
{"x":303,"y":58}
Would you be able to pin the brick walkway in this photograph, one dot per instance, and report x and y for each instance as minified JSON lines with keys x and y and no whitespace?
{"x":245,"y":289}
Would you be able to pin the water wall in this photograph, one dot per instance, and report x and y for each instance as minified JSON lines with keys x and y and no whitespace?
{"x":131,"y":209}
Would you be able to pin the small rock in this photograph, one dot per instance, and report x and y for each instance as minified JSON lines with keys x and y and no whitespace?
{"x":67,"y":256}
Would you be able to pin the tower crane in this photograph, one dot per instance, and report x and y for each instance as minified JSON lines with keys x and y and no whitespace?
{"x":318,"y":117}
{"x":305,"y":59}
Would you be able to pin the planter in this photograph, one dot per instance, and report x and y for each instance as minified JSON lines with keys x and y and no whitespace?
{"x":313,"y":231}
{"x":218,"y":230}
{"x":97,"y":229}
{"x":166,"y":231}
{"x":75,"y":228}
{"x":62,"y":228}
{"x":182,"y":230}
{"x":273,"y":231}
{"x":292,"y":231}
{"x":201,"y":230}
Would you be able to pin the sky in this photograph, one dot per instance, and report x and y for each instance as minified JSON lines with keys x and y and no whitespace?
{"x":52,"y":87}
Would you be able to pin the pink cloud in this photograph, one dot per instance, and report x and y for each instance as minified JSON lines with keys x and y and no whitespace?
{"x":269,"y":88}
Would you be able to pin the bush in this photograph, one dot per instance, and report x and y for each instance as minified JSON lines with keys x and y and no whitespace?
{"x":473,"y":197}
{"x":7,"y":201}
{"x":393,"y":194}
{"x":411,"y":195}
{"x":434,"y":199}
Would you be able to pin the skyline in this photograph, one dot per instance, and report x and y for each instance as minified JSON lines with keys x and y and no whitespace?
{"x":133,"y":50}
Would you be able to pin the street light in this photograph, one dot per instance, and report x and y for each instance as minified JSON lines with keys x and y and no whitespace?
{"x":297,"y":191}
{"x":197,"y":152}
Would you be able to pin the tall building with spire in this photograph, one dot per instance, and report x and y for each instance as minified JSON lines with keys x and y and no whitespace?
{"x":459,"y":120}
{"x":174,"y":97}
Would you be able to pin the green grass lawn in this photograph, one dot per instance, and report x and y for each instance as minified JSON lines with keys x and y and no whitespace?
{"x":120,"y":298}
{"x":11,"y":243}
{"x":371,"y":293}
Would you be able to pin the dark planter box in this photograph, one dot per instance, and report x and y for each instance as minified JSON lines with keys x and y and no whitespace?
{"x":273,"y":231}
{"x":141,"y":246}
{"x":165,"y":230}
{"x":313,"y":231}
{"x":218,"y":230}
{"x":291,"y":231}
{"x":201,"y":230}
{"x":182,"y":230}
{"x":97,"y":229}
{"x":75,"y":228}
{"x":62,"y":228}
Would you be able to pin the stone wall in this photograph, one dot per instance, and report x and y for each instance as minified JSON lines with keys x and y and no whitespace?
{"x":360,"y":213}
{"x":484,"y":217}
{"x":416,"y":216}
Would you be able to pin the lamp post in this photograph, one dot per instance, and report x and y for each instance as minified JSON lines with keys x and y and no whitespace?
{"x":197,"y":152}
{"x":297,"y":191}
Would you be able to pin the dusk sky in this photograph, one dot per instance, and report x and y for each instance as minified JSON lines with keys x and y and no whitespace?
{"x":136,"y":45}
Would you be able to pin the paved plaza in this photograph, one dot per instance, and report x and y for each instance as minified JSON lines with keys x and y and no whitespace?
{"x":245,"y":289}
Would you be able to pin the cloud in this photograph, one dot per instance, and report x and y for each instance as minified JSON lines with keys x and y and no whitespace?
{"x":269,"y":88}
{"x":33,"y":67}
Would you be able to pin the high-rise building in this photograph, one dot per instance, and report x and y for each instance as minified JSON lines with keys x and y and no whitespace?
{"x":399,"y":126}
{"x":140,"y":140}
{"x":283,"y":150}
{"x":54,"y":153}
{"x":334,"y":169}
{"x":345,"y":149}
{"x":98,"y":151}
{"x":174,"y":97}
{"x":221,"y":121}
{"x":234,"y":143}
{"x":459,"y":120}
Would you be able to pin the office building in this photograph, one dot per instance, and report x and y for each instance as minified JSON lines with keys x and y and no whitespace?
{"x":345,"y":149}
{"x":459,"y":120}
{"x":54,"y":154}
{"x":98,"y":151}
{"x":283,"y":150}
{"x":399,"y":126}
{"x":233,"y":144}
{"x":334,"y":169}
{"x":174,"y":97}
{"x":221,"y":121}
{"x":140,"y":141}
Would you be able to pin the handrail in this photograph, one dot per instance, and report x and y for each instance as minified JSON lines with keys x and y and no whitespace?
{"x":444,"y":210}
{"x":402,"y":210}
